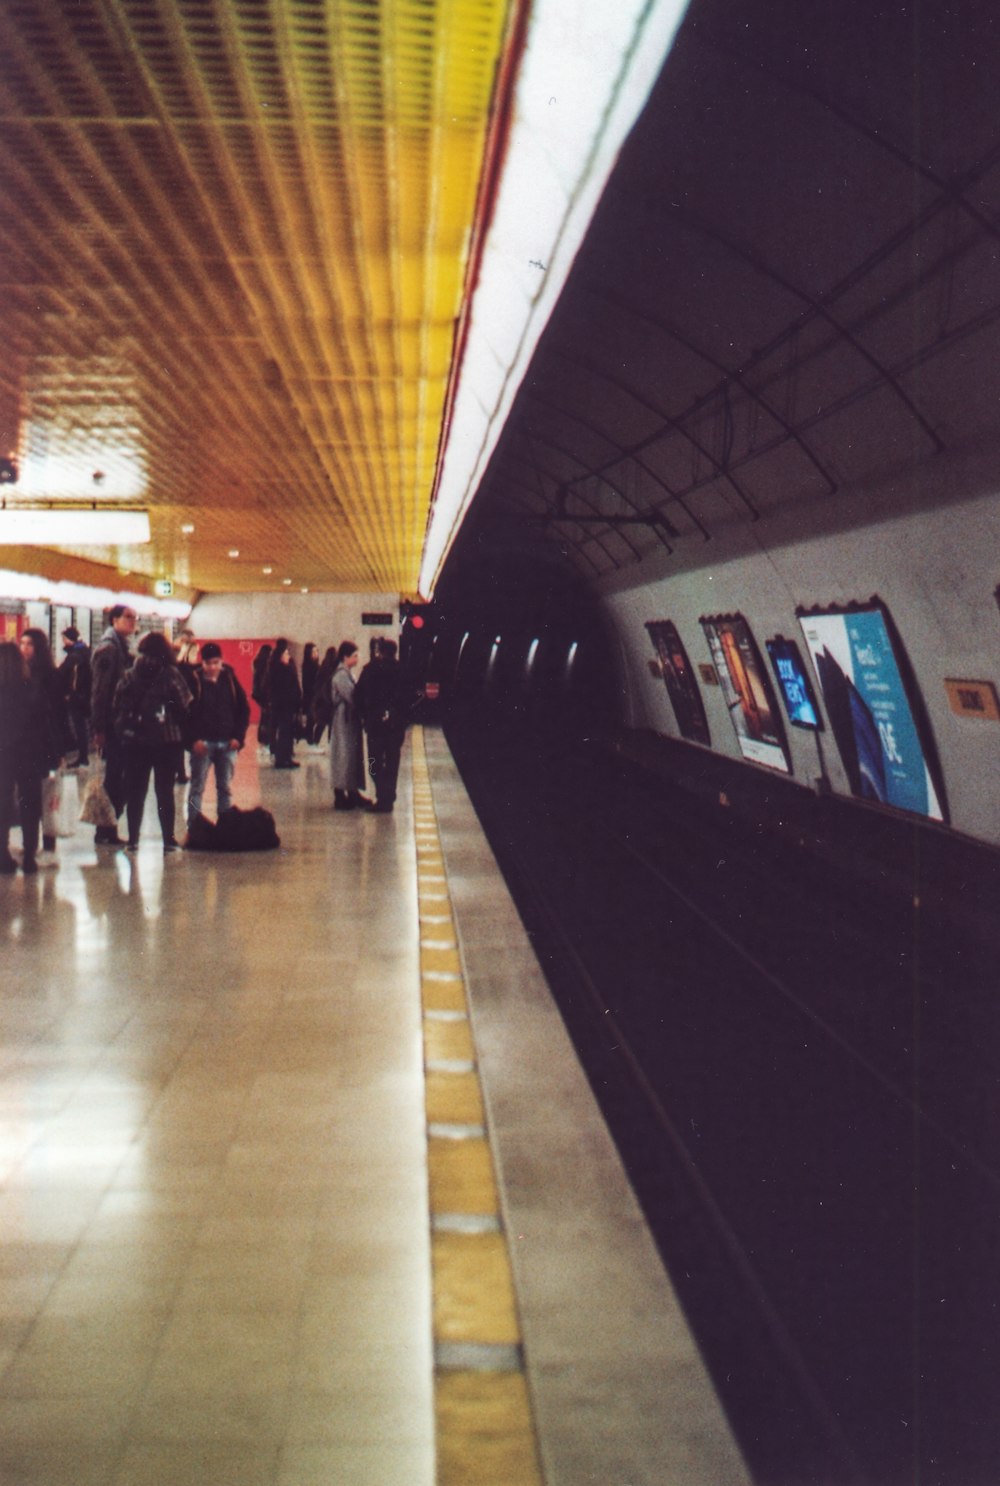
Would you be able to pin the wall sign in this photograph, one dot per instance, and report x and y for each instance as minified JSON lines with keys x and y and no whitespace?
{"x":753,"y":710}
{"x":873,"y":707}
{"x":973,"y":699}
{"x":381,"y":619}
{"x":682,"y":688}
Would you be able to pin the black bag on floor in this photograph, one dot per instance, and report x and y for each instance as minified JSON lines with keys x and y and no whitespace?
{"x":235,"y":830}
{"x":245,"y":830}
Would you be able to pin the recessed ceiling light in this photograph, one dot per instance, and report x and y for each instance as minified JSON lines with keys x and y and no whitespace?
{"x":267,"y":572}
{"x":287,"y":582}
{"x":187,"y":528}
{"x":305,"y":590}
{"x":234,"y":552}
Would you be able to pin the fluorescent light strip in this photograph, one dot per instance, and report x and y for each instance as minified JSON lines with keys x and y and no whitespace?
{"x":63,"y":527}
{"x":35,"y":589}
{"x":572,"y":113}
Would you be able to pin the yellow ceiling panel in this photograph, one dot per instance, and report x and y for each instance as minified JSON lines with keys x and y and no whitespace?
{"x":235,"y":239}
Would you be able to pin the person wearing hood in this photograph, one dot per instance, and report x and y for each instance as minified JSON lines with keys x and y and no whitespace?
{"x":108,"y":665}
{"x":148,"y":712}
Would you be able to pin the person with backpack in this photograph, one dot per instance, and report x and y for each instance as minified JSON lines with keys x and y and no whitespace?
{"x":108,"y":664}
{"x":149,"y":710}
{"x":216,"y":728}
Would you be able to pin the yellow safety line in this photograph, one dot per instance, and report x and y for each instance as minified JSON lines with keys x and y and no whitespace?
{"x":484,"y":1424}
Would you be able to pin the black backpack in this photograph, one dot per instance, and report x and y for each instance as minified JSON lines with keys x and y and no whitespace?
{"x":147,"y":713}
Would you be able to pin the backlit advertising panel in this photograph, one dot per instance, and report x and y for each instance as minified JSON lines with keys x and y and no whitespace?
{"x":871,"y":710}
{"x":752,"y":707}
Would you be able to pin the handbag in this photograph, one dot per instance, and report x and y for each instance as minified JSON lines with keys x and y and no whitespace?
{"x":96,"y":808}
{"x":60,"y":804}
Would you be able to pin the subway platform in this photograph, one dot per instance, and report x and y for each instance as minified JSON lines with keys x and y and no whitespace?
{"x":301,"y":1182}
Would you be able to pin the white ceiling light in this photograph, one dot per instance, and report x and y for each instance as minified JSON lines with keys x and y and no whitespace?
{"x":34,"y":588}
{"x":583,"y":81}
{"x":24,"y":526}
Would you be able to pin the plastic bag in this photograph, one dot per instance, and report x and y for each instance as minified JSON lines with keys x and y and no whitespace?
{"x":60,"y":804}
{"x":96,"y":808}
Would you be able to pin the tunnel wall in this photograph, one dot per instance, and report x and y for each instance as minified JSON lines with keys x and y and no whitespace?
{"x":925,"y":545}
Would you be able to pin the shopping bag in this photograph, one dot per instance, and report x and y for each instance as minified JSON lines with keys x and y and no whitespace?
{"x":60,"y":804}
{"x":96,"y":808}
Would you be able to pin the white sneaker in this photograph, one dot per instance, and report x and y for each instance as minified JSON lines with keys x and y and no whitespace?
{"x":47,"y":859}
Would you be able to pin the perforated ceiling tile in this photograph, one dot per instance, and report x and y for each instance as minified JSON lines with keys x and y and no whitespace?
{"x":235,"y":240}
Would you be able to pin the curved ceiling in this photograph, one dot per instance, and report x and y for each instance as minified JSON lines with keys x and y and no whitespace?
{"x":792,"y":285}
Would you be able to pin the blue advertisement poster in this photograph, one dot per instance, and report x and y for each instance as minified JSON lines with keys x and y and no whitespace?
{"x":869,"y":711}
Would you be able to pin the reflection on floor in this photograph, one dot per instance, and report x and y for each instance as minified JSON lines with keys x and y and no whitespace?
{"x":219,"y":1176}
{"x":214,"y":1259}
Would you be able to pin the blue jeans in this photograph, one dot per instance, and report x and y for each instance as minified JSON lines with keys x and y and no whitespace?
{"x":224,"y":759}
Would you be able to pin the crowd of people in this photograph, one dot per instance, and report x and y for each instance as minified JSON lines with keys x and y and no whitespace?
{"x":174,"y":712}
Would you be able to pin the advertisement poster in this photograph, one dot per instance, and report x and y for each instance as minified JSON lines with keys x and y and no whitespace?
{"x":747,"y":690}
{"x":793,"y":683}
{"x":870,"y":713}
{"x":681,"y":684}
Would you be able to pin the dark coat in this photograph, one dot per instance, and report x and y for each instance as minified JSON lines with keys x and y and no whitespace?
{"x":149,"y":676}
{"x":77,"y":680}
{"x":383,"y":696}
{"x":194,"y":725}
{"x":110,"y":661}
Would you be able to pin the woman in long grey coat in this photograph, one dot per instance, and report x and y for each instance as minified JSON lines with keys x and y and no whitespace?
{"x":347,"y":759}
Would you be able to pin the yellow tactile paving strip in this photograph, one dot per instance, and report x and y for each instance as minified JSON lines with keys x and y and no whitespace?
{"x":485,"y":1429}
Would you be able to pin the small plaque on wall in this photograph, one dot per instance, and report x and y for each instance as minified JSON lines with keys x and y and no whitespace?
{"x":377,"y":619}
{"x":707,"y":674}
{"x":973,"y":699}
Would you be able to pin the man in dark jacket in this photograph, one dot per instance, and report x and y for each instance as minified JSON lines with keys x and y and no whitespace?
{"x":74,"y":673}
{"x":217,"y":727}
{"x":111,"y":659}
{"x":383,"y":700}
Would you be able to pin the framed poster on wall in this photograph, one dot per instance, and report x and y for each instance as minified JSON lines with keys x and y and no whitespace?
{"x":873,"y":707}
{"x":679,"y":677}
{"x":753,"y":709}
{"x":793,"y":684}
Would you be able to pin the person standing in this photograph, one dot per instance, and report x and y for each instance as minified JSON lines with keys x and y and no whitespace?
{"x":285,"y":697}
{"x":347,"y":758}
{"x":321,"y":713}
{"x":259,"y":693}
{"x":148,"y":712}
{"x":54,"y":737}
{"x":74,"y":672}
{"x":187,"y":655}
{"x":310,"y":674}
{"x":23,"y":730}
{"x":216,"y":728}
{"x":383,"y":700}
{"x":111,"y":659}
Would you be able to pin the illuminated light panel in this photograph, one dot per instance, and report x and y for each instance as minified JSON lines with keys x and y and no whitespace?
{"x":33,"y":588}
{"x":72,"y":528}
{"x":573,"y":109}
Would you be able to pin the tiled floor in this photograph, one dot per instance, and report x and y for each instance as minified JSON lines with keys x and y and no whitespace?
{"x":215,"y":1255}
{"x":214,"y":1258}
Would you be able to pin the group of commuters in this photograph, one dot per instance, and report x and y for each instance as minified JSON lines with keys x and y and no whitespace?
{"x":142,"y":714}
{"x":331,"y":698}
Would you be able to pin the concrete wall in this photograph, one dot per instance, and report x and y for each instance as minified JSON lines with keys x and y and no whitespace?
{"x":325,"y":618}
